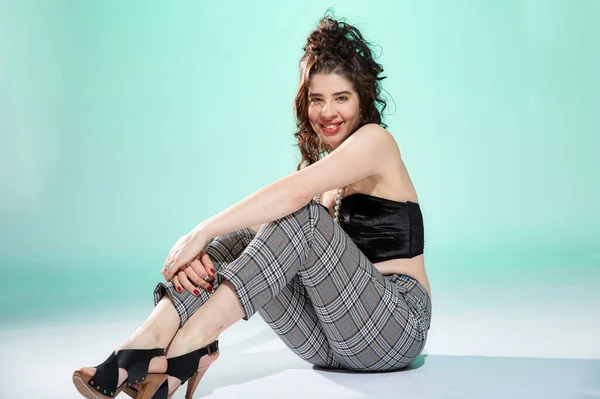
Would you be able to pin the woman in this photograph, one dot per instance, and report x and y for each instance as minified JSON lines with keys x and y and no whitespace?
{"x":339,"y":276}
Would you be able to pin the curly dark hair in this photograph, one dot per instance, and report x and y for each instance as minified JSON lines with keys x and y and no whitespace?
{"x":336,"y":47}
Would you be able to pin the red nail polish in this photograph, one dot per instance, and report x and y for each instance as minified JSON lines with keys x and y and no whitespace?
{"x":212,"y":271}
{"x":209,"y":288}
{"x":179,"y":289}
{"x":196,"y":292}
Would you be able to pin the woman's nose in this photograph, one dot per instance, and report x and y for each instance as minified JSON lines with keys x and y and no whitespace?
{"x":328,"y":111}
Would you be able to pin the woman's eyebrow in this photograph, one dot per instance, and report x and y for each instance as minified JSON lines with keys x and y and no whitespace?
{"x":334,"y":94}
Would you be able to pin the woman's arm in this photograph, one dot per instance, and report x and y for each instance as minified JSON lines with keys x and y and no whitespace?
{"x":271,"y":202}
{"x":258,"y":226}
{"x":363,"y":154}
{"x":359,"y":156}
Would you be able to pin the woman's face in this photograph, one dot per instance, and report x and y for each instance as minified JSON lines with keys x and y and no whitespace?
{"x":333,"y":108}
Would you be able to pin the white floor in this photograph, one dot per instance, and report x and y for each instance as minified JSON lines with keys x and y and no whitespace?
{"x":536,"y":343}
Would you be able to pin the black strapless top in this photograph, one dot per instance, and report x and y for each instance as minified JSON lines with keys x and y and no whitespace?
{"x":382,"y":229}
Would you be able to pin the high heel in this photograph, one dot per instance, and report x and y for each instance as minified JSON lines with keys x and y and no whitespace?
{"x":152,"y":384}
{"x":184,"y":368}
{"x":193,"y":382}
{"x":103,"y":384}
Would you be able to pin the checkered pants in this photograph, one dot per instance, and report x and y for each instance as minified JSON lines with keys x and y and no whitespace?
{"x":322,"y":296}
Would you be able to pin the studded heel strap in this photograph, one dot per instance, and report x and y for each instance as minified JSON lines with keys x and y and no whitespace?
{"x":134,"y":361}
{"x":107,"y":376}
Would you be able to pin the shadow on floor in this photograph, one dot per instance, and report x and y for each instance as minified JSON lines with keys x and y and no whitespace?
{"x":273,"y":374}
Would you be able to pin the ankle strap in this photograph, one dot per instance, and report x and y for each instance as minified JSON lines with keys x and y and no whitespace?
{"x":185,"y":366}
{"x":212,"y":347}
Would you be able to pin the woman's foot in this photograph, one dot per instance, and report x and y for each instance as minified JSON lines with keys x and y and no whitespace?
{"x":158,"y":364}
{"x":183,"y":344}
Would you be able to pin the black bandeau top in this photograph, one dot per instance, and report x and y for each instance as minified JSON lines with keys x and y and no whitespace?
{"x":382,"y":229}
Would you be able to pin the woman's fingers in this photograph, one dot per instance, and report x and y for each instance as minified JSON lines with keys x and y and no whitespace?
{"x":189,"y":280}
{"x":202,"y":271}
{"x":171,"y":271}
{"x":177,"y":284}
{"x":178,"y":256}
{"x":207,"y":263}
{"x":186,"y":283}
{"x":195,"y":277}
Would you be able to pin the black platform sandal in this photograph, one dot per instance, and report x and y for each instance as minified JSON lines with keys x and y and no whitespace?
{"x":103,"y":384}
{"x":185,"y":368}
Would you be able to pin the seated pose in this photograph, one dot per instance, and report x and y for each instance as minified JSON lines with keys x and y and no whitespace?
{"x":330,"y":256}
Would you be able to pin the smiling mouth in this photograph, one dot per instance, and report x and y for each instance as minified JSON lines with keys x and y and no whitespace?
{"x":331,"y":128}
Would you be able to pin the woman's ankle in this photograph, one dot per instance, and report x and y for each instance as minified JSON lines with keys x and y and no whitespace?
{"x":142,"y":340}
{"x":186,"y":341}
{"x":157,"y":331}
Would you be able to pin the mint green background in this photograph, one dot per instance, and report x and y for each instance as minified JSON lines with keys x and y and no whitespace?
{"x":124,"y":124}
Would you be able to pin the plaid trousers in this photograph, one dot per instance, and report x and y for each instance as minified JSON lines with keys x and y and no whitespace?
{"x":322,"y":296}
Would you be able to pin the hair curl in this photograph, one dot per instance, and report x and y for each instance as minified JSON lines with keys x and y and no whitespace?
{"x":336,"y":47}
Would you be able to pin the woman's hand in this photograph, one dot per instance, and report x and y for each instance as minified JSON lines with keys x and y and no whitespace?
{"x":185,"y":249}
{"x":197,"y":274}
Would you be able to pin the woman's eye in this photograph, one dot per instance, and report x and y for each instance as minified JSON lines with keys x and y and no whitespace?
{"x":314,"y":100}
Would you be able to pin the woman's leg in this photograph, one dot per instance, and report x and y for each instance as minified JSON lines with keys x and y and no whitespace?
{"x":290,"y":313}
{"x":295,"y":320}
{"x":172,"y":311}
{"x":292,"y":316}
{"x":156,"y":332}
{"x":369,"y":322}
